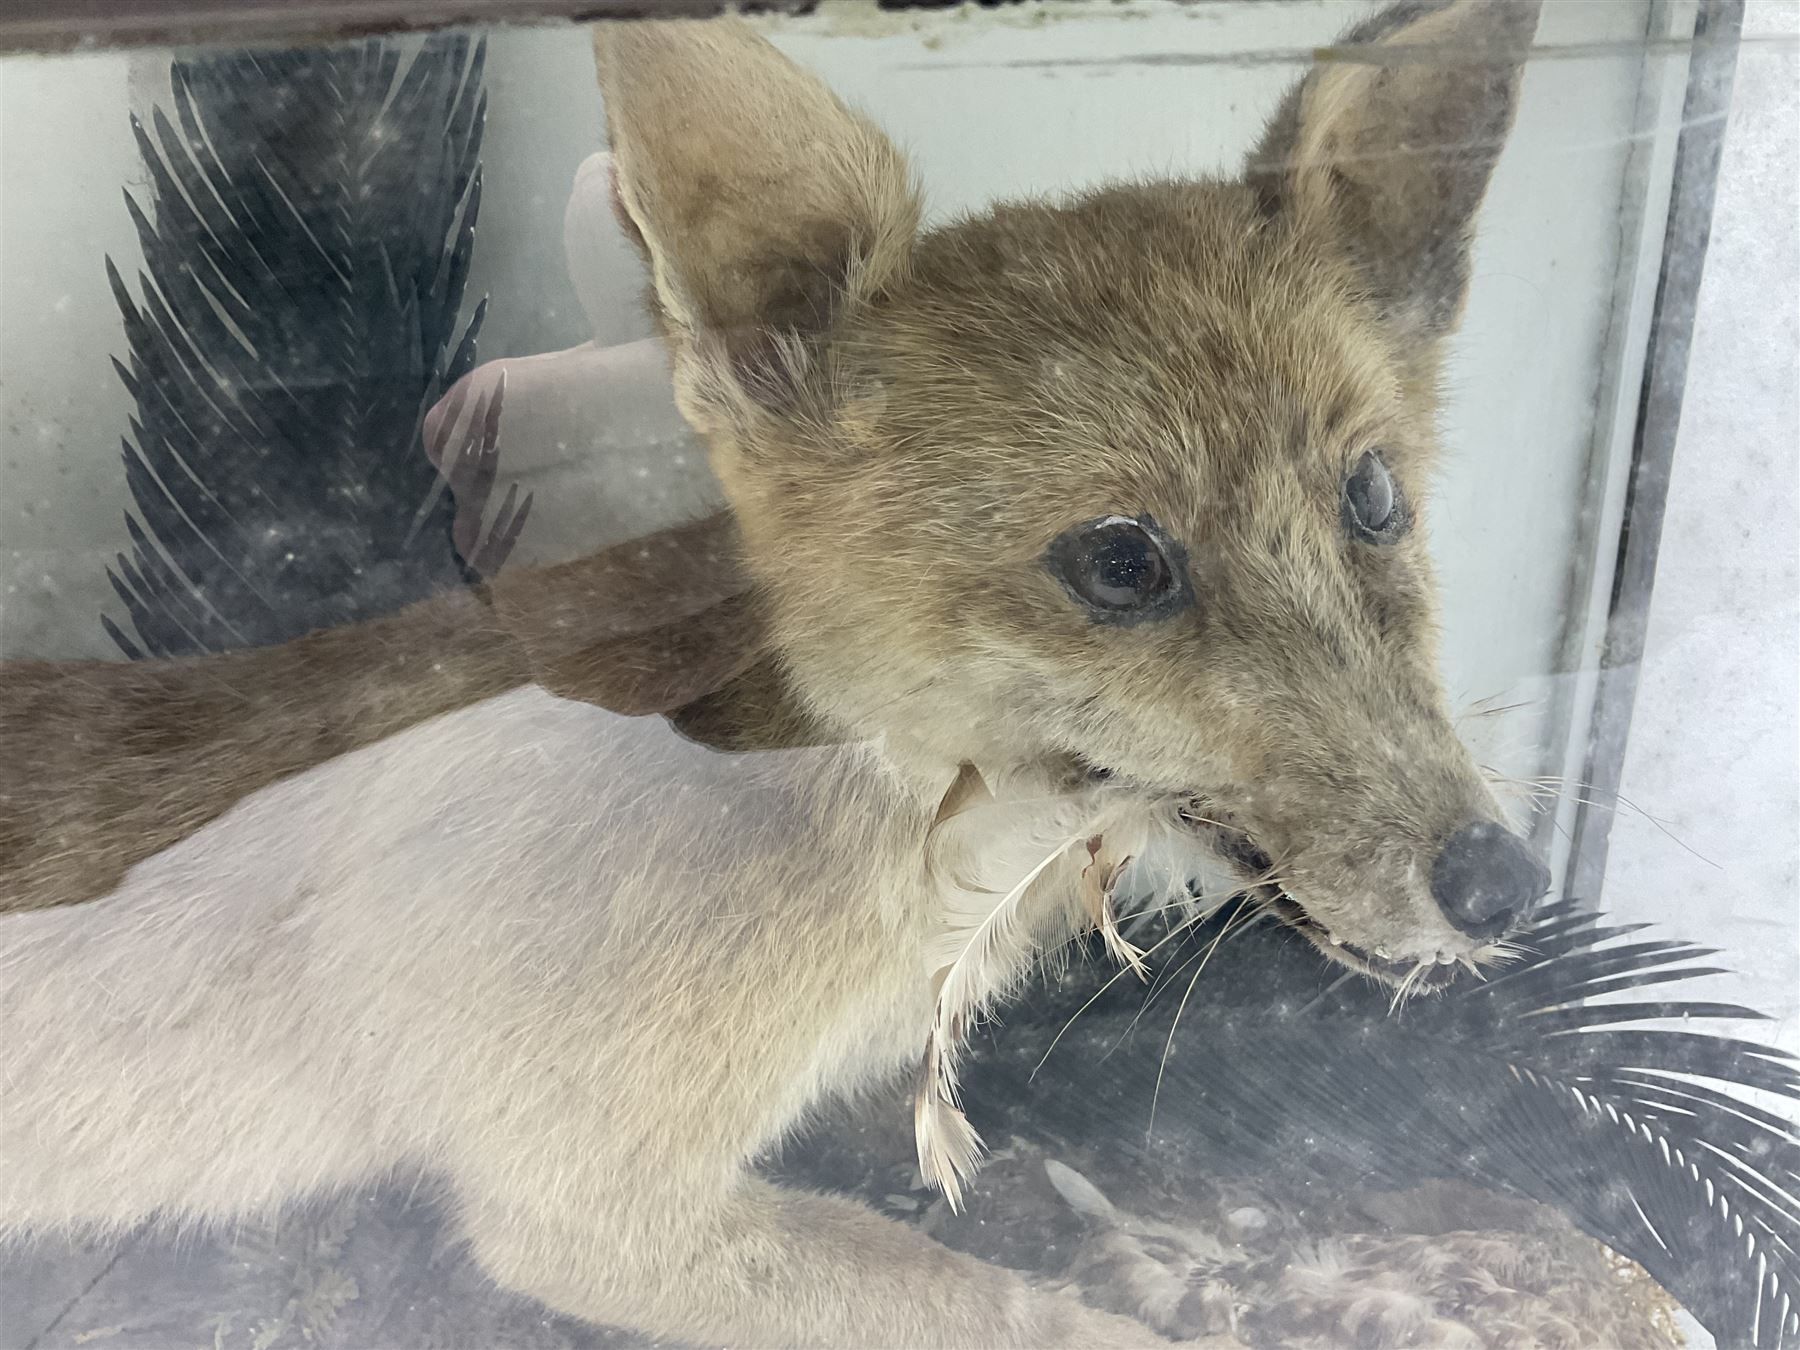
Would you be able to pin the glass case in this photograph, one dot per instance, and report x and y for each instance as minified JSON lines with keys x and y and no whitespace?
{"x":1069,"y":673}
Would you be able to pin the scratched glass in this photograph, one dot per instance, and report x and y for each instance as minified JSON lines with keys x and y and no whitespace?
{"x":1056,"y":675}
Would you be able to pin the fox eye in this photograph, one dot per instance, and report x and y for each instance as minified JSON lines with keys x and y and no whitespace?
{"x":1122,"y":570}
{"x":1372,"y":506}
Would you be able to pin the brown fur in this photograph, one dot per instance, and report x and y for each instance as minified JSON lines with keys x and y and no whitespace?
{"x":110,"y":763}
{"x":590,"y":974}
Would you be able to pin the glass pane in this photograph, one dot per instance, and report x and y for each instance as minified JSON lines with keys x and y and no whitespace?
{"x":1038,"y":714}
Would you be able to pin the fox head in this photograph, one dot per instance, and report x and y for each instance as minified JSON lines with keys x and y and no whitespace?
{"x":1133,"y":483}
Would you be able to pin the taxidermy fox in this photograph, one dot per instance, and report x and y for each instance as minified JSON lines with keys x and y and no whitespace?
{"x":1065,"y":535}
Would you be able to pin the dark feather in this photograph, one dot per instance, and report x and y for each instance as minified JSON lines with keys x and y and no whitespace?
{"x":1523,"y":1084}
{"x":310,"y":224}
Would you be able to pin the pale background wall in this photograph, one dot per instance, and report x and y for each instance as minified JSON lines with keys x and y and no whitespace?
{"x":1011,"y":102}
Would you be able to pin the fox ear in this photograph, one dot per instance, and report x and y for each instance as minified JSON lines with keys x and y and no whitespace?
{"x":668,"y":624}
{"x":763,"y":205}
{"x":1389,"y":147}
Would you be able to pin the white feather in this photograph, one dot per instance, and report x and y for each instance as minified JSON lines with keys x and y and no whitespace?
{"x":989,"y":945}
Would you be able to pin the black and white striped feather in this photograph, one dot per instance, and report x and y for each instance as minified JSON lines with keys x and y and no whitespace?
{"x":307,"y":231}
{"x":1574,"y":1077}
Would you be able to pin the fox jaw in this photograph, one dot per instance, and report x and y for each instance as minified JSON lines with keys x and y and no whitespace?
{"x":1125,"y":493}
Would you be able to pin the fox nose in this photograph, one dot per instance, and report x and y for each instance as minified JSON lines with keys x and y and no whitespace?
{"x":1485,"y":877}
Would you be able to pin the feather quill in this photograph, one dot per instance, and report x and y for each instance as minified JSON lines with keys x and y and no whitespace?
{"x":1099,"y":879}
